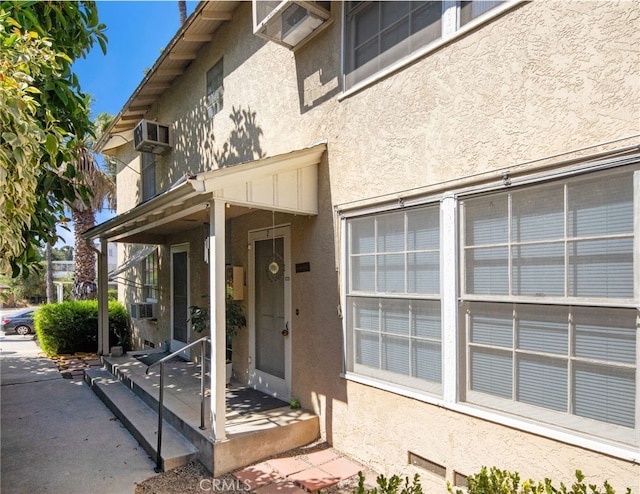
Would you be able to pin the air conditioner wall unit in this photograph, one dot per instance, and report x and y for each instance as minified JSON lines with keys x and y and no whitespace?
{"x":145,"y":310}
{"x":290,"y":23}
{"x":152,"y":137}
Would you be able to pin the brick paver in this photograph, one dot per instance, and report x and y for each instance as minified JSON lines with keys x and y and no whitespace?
{"x":299,"y":474}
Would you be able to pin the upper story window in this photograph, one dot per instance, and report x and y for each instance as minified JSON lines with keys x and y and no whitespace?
{"x":379,"y":34}
{"x":215,"y":89}
{"x":148,"y":175}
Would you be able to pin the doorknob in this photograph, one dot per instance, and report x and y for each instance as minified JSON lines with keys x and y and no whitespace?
{"x":285,"y":331}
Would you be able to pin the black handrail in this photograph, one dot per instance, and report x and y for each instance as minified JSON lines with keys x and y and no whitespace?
{"x":202,"y":341}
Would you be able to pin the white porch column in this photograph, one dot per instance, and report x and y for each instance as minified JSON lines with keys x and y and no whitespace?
{"x":217,"y":311}
{"x":103,"y":299}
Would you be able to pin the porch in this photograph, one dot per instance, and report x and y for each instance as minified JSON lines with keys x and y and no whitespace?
{"x":256,"y":425}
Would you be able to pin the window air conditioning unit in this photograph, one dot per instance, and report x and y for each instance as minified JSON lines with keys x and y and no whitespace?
{"x":143,"y":311}
{"x":152,"y":137}
{"x":290,"y":23}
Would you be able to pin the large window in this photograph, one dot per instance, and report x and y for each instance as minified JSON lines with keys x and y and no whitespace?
{"x":542,"y":324}
{"x":215,"y":89}
{"x":394,"y":297}
{"x":378,"y":34}
{"x":548,"y":302}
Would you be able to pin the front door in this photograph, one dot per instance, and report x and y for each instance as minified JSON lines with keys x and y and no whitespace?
{"x":179,"y":296}
{"x":269,"y":322}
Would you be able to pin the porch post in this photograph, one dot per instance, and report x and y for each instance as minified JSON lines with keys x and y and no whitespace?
{"x":217,"y":311}
{"x":103,"y":299}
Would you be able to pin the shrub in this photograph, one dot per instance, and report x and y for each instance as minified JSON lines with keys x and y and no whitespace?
{"x":70,"y":327}
{"x":393,"y":485}
{"x":496,"y":481}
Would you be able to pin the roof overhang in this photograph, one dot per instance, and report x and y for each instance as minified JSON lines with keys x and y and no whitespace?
{"x":174,"y":60}
{"x":287,"y":182}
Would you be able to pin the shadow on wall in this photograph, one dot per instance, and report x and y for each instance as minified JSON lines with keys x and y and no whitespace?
{"x":318,"y":70}
{"x":243,"y":143}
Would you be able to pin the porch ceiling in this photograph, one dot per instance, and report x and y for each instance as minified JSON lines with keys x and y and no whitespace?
{"x":286,"y":182}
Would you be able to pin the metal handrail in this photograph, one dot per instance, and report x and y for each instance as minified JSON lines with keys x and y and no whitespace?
{"x":202,"y":341}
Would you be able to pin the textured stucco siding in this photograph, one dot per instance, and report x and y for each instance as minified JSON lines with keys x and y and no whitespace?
{"x":543,"y":79}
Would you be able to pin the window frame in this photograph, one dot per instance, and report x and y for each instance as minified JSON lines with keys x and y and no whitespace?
{"x":150,"y":268}
{"x":409,"y":382}
{"x":215,"y":96}
{"x":550,"y":419}
{"x":586,"y":434}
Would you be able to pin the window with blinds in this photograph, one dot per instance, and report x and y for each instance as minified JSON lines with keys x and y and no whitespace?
{"x":550,"y":304}
{"x":393,"y":297}
{"x":215,"y":89}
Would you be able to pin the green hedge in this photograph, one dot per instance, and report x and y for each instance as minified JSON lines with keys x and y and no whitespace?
{"x":71,"y":327}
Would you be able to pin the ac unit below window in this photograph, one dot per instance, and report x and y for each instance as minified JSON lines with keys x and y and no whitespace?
{"x":146,"y":310}
{"x":152,"y":137}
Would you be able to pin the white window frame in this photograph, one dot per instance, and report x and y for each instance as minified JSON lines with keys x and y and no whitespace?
{"x":410,"y":384}
{"x":451,"y":30}
{"x":150,"y":287}
{"x":454,"y":384}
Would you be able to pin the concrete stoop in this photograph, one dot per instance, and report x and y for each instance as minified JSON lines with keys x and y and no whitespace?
{"x":141,"y":420}
{"x":252,"y":437}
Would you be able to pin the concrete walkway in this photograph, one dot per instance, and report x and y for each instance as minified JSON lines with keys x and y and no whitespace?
{"x":56,"y":434}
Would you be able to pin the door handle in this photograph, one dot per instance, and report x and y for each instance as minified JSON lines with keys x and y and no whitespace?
{"x":285,"y":331}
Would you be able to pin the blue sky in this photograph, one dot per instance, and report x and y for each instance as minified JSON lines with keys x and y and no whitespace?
{"x":137,"y":32}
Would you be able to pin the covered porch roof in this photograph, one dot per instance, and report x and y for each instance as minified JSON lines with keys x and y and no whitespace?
{"x":286,"y":182}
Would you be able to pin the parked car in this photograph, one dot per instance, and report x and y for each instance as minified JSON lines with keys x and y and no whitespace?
{"x":20,"y":322}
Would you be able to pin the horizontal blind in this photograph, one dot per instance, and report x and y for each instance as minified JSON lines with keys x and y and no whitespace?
{"x":393,"y":260}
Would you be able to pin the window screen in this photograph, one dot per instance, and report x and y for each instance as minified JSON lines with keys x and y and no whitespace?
{"x":548,"y":301}
{"x":393,"y":297}
{"x":215,"y":89}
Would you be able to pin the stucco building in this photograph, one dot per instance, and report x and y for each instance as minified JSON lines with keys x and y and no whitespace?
{"x":435,"y":207}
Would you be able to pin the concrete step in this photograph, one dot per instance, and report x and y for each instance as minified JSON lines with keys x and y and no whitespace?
{"x":121,"y":369}
{"x":141,"y":420}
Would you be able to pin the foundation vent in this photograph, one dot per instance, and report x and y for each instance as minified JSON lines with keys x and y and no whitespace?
{"x":428,"y":465}
{"x":459,"y":479}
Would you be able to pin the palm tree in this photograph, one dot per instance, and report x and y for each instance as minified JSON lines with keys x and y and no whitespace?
{"x":182,"y":8}
{"x":103,"y":190}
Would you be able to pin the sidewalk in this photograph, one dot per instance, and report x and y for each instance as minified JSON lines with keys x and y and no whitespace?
{"x":57,"y":436}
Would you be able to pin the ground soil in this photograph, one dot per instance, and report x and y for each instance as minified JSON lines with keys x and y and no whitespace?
{"x":188,"y":478}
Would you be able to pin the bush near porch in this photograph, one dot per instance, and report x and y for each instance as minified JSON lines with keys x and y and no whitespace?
{"x":71,"y":327}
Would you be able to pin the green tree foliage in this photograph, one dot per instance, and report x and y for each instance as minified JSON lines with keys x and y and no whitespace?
{"x":42,"y":110}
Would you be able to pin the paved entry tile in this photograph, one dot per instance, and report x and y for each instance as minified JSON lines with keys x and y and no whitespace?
{"x":299,"y":474}
{"x":289,"y":465}
{"x":257,"y":475}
